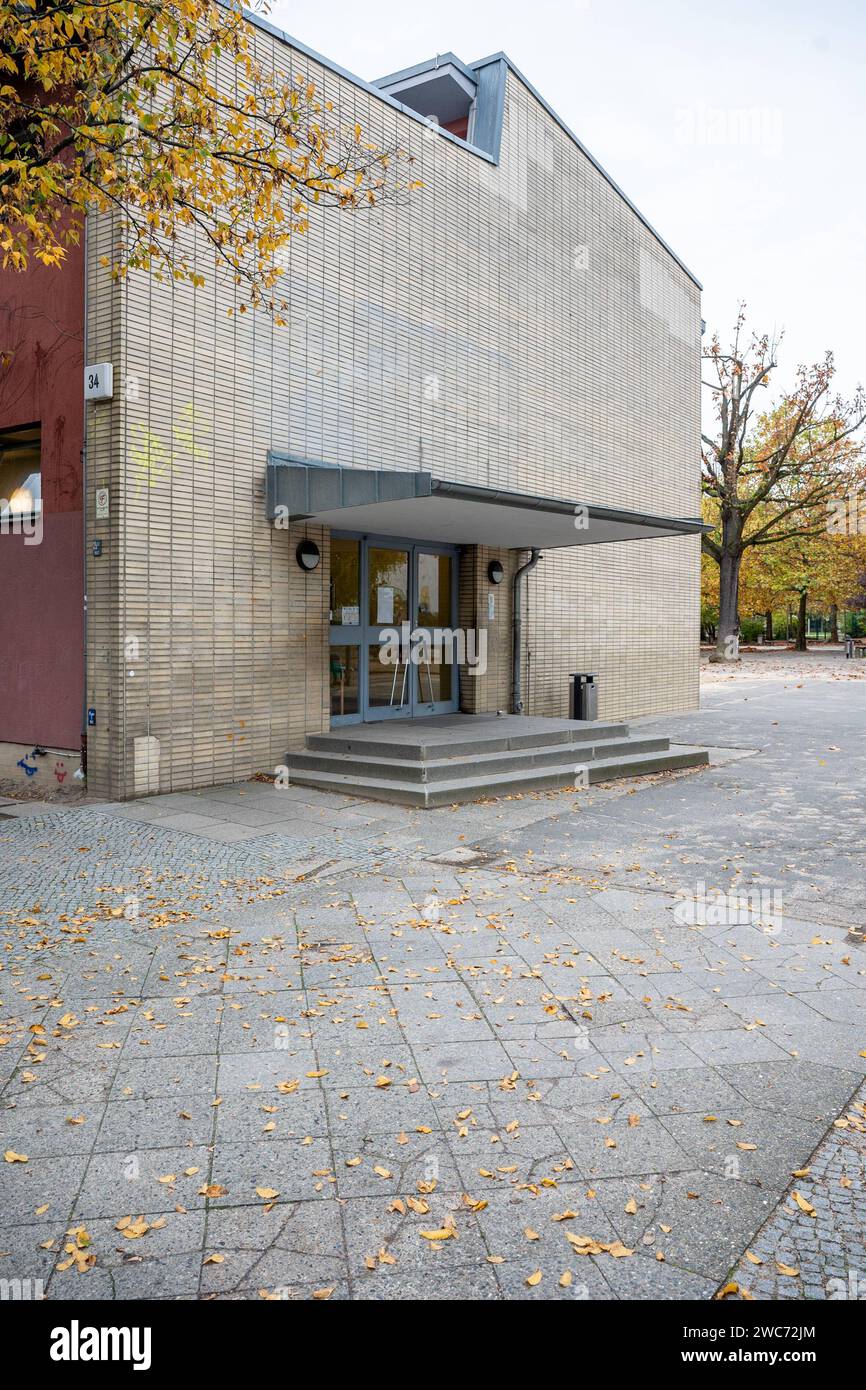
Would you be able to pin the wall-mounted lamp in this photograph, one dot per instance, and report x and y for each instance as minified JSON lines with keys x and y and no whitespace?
{"x":307,"y":555}
{"x":495,"y":572}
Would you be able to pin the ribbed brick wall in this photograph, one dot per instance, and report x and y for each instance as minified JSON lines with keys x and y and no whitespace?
{"x":464,"y":332}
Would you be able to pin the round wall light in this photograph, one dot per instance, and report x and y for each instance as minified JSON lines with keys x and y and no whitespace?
{"x":495,"y":572}
{"x":307,"y":555}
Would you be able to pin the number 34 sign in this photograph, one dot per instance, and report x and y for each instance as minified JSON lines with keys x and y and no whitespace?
{"x":99,"y":382}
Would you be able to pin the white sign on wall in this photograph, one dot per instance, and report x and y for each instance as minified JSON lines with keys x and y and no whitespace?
{"x":99,"y":382}
{"x":102,"y":504}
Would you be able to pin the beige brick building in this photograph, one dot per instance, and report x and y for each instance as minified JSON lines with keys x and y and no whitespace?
{"x":510,"y":344}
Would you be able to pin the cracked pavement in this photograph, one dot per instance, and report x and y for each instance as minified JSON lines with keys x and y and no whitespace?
{"x":293,"y":1031}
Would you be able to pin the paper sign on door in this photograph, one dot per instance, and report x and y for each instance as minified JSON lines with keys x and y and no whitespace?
{"x":384,"y":604}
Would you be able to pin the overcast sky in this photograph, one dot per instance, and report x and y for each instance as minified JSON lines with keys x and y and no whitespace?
{"x":738,"y":129}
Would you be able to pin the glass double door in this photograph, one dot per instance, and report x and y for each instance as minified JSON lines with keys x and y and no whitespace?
{"x":392,"y":620}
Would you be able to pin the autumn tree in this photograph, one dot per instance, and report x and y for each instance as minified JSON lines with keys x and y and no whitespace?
{"x":771,"y":475}
{"x":165,"y":113}
{"x":764,"y":583}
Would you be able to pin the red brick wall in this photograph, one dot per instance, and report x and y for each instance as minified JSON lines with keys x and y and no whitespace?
{"x":42,"y":586}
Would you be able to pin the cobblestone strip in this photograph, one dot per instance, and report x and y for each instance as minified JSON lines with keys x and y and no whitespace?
{"x":814,"y":1244}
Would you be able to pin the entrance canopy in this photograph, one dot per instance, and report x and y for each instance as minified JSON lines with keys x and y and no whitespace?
{"x":382,"y":502}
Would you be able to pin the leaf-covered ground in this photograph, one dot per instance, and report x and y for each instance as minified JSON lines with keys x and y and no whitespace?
{"x":270,"y":1043}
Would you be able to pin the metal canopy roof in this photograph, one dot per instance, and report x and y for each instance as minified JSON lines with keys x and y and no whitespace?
{"x":387,"y":503}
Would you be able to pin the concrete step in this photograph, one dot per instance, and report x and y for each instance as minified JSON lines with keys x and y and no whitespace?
{"x":449,"y":769}
{"x":477,"y":787}
{"x":418,"y":745}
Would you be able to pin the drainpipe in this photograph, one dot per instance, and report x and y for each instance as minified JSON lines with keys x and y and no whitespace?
{"x":516,"y":596}
{"x":84,"y":508}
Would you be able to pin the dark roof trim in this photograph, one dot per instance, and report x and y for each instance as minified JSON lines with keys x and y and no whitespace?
{"x":307,"y":489}
{"x":370,"y":87}
{"x":469,"y":492}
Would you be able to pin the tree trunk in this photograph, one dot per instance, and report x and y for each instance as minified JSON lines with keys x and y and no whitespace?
{"x":768,"y":625}
{"x":834,"y":622}
{"x":728,"y":630}
{"x":800,"y":644}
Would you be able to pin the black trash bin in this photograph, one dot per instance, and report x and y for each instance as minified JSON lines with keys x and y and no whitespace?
{"x":584,"y":695}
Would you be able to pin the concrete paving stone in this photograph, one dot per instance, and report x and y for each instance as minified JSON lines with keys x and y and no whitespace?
{"x":243,"y":1114}
{"x":735,"y":1045}
{"x":647,"y":1049}
{"x":370,"y":1003}
{"x":274,"y":1247}
{"x":431,"y":1281}
{"x":189,"y":965}
{"x":10,"y":1062}
{"x":371,"y":1224}
{"x":238,"y":1070}
{"x":794,"y":1087}
{"x":644,"y":1278}
{"x":174,"y":1278}
{"x":169,"y":1029}
{"x":193,"y":821}
{"x":523,"y":1225}
{"x":588,"y":1279}
{"x":441,"y":1061}
{"x":672,"y":987}
{"x":711,"y":1218}
{"x":639,"y":1148}
{"x":392,"y":952}
{"x":334,"y":1292}
{"x":715,"y":1146}
{"x":134,"y":1124}
{"x":58,"y":1081}
{"x":23,"y":1255}
{"x":479,"y":1096}
{"x":350,"y":1053}
{"x":354,"y":970}
{"x":535,"y":1155}
{"x":404,"y":1168}
{"x":151,"y":1078}
{"x":52,"y":1182}
{"x":118,"y":1183}
{"x":255,"y":1022}
{"x":102,"y":1023}
{"x":297,"y":1169}
{"x":545,"y":1058}
{"x":220,"y":832}
{"x":446,"y":1025}
{"x":163,"y":1263}
{"x":697,"y":1089}
{"x":371,"y":1109}
{"x":731,"y":978}
{"x":551,"y":1100}
{"x":40,"y":1131}
{"x":585,"y":1096}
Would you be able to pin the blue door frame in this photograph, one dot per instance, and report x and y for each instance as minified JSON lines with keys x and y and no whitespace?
{"x":408,"y":681}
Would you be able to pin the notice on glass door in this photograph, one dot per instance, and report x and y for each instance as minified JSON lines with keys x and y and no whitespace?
{"x":384,"y":604}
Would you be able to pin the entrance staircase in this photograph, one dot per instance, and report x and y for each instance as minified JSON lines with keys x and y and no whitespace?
{"x":465,"y":757}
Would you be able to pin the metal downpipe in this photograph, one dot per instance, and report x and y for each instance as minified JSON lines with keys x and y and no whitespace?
{"x":516,"y":629}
